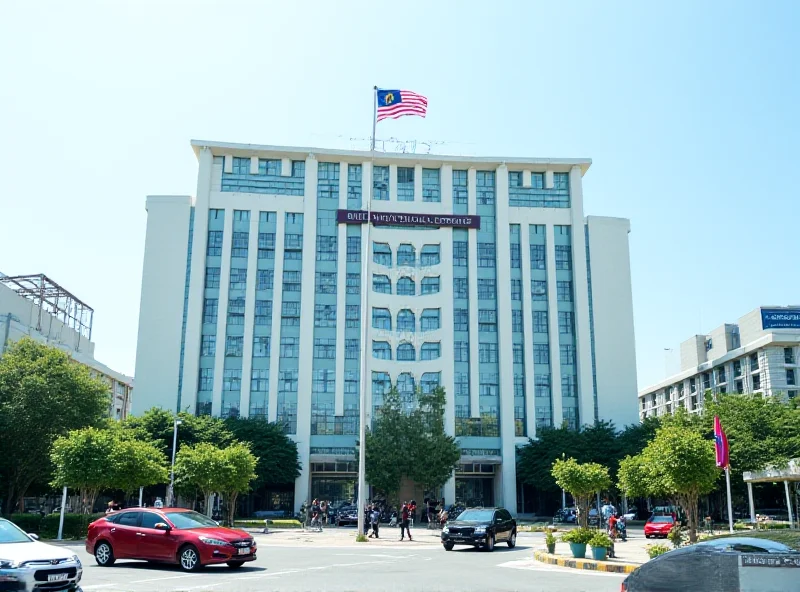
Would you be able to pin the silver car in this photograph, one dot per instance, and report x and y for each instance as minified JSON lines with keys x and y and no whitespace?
{"x":27,"y":565}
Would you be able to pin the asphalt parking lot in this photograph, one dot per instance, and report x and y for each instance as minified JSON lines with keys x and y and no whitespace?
{"x":390,"y":566}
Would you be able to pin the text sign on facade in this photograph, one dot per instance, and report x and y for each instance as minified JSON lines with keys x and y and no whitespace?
{"x":775,"y":318}
{"x":400,"y":219}
{"x":764,"y":560}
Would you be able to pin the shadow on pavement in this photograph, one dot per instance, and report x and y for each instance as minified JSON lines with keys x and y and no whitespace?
{"x":170,"y":567}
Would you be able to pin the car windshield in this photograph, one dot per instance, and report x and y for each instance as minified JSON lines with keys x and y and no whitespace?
{"x":747,"y":545}
{"x":185,"y":520}
{"x":476,"y":515}
{"x":10,"y":533}
{"x":661,"y":519}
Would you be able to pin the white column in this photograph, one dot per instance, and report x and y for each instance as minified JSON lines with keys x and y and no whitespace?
{"x":286,"y":168}
{"x":527,"y":328}
{"x":341,"y":296}
{"x":306,"y":329}
{"x":474,"y":367}
{"x":194,"y":309}
{"x":222,"y":312}
{"x":275,"y":324}
{"x":418,"y":182}
{"x":249,"y":314}
{"x":228,"y":163}
{"x":580,"y":284}
{"x":789,"y":504}
{"x":446,"y":287}
{"x":752,"y":505}
{"x":552,"y":320}
{"x":505,"y":342}
{"x":254,"y":165}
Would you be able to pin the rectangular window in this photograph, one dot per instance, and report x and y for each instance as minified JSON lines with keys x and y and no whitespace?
{"x":240,"y":241}
{"x":460,"y":319}
{"x":790,"y":377}
{"x":324,"y":315}
{"x":381,"y":319}
{"x":538,"y":290}
{"x":259,"y":380}
{"x":238,"y":279}
{"x":486,"y":255}
{"x":430,"y":351}
{"x":263,"y":312}
{"x":206,"y":379}
{"x":264,"y":279}
{"x":328,"y":180}
{"x":290,"y":347}
{"x":208,"y":345}
{"x":516,"y":261}
{"x":541,"y":385}
{"x":212,"y":277}
{"x":293,"y":242}
{"x":460,"y":192}
{"x":754,"y":362}
{"x":461,"y":351}
{"x":266,"y":245}
{"x":210,"y":310}
{"x":351,"y":347}
{"x":460,"y":288}
{"x":353,"y":249}
{"x":737,"y":368}
{"x":214,"y":243}
{"x":485,"y":187}
{"x":325,"y":348}
{"x":232,"y":380}
{"x":565,"y":323}
{"x":381,"y":350}
{"x":487,"y":352}
{"x":537,"y":257}
{"x":564,"y":291}
{"x":260,"y":346}
{"x":756,"y":382}
{"x":353,"y":283}
{"x":568,"y":386}
{"x":430,"y":320}
{"x":567,"y":355}
{"x":540,"y":321}
{"x":381,"y":284}
{"x":326,"y":248}
{"x":430,"y":185}
{"x":325,"y":282}
{"x":541,"y":353}
{"x":788,"y":355}
{"x":518,"y":359}
{"x":290,"y":314}
{"x":516,"y":289}
{"x":236,"y":311}
{"x":234,"y":346}
{"x":487,"y":289}
{"x":293,"y":218}
{"x":266,"y":217}
{"x":430,"y":255}
{"x":382,"y":254}
{"x":516,"y":321}
{"x":353,"y":316}
{"x":380,"y":183}
{"x":563,"y":257}
{"x":460,"y":253}
{"x":291,"y":281}
{"x":487,"y":321}
{"x":405,"y":183}
{"x":430,"y":285}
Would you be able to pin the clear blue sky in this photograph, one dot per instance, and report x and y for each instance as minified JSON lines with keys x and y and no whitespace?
{"x":688,"y":110}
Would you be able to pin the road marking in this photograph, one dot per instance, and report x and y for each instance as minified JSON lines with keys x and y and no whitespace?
{"x":531,"y":565}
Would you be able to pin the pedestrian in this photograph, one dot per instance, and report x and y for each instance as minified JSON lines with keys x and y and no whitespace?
{"x":110,"y":507}
{"x":431,"y":512}
{"x":375,"y":516}
{"x":323,"y":506}
{"x":159,"y":503}
{"x":404,"y":525}
{"x":412,"y":511}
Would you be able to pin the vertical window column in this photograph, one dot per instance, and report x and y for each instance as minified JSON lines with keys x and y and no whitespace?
{"x":341,"y":294}
{"x":249,"y":313}
{"x":222,"y":314}
{"x":552,"y":306}
{"x":474,"y":370}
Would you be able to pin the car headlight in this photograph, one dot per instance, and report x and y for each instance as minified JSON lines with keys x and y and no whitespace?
{"x":218,"y":542}
{"x":76,"y":559}
{"x":480,"y":530}
{"x":9,"y":564}
{"x":446,"y":530}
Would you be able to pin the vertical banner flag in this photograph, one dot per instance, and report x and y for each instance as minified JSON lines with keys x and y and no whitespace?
{"x":397,"y":103}
{"x":721,"y":444}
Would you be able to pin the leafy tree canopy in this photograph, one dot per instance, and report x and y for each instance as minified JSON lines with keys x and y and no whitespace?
{"x":278,"y":461}
{"x":582,"y":481}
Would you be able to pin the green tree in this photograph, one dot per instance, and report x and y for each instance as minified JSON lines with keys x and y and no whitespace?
{"x":237,"y":475}
{"x":82,"y":459}
{"x":679,"y":464}
{"x":278,"y":461}
{"x":387,"y":446}
{"x":434,"y":454}
{"x":43,"y":395}
{"x":156,"y":425}
{"x":135,"y":463}
{"x":201,"y":466}
{"x":582,"y":481}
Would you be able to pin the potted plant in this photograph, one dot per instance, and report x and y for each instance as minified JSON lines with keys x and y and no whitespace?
{"x":600,"y":543}
{"x":550,"y":541}
{"x":577,"y":539}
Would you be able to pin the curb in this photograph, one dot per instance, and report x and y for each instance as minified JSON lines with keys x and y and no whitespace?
{"x":588,"y":564}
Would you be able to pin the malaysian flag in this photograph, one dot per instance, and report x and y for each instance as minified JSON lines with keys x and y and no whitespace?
{"x":396,"y":103}
{"x":721,"y":444}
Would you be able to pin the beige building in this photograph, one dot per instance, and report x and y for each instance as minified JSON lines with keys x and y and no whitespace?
{"x":35,"y":306}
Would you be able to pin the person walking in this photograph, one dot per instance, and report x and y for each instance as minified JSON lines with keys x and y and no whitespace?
{"x":375,"y":517}
{"x":404,"y":524}
{"x":323,"y":507}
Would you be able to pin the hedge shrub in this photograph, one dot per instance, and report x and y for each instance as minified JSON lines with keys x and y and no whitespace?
{"x":75,"y":525}
{"x":27,"y":522}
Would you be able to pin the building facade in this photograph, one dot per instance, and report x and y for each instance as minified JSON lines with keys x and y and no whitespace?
{"x":483,"y":276}
{"x":757,"y":355}
{"x":34,"y":306}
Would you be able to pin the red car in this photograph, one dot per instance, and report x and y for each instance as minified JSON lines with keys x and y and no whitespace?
{"x":168,"y":535}
{"x":658,"y":526}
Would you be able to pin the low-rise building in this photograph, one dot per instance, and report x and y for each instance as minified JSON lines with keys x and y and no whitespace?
{"x":35,"y":306}
{"x":759,"y":354}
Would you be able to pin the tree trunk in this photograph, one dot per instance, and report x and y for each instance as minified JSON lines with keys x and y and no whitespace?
{"x":209,"y":503}
{"x":231,"y":507}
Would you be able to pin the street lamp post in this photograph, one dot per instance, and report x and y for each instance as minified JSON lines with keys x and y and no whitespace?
{"x":170,"y":497}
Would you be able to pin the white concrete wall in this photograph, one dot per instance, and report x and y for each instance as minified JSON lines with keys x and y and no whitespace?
{"x":161,"y":308}
{"x":612,"y":300}
{"x":693,"y":352}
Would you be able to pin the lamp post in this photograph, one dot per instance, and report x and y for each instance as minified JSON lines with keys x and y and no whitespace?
{"x":170,"y":501}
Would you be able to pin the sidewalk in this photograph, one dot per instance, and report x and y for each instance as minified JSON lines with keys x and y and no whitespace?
{"x":339,"y":537}
{"x":629,"y":555}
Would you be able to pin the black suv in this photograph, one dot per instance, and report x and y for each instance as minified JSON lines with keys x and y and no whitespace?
{"x":480,"y":527}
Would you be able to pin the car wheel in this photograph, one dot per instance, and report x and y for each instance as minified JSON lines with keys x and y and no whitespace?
{"x":448,"y":546}
{"x":512,"y":540}
{"x":647,"y":536}
{"x":189,"y":558}
{"x":490,"y":543}
{"x":235,"y":564}
{"x":104,"y":554}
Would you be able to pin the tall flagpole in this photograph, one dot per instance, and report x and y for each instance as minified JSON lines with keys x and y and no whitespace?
{"x":730,"y":504}
{"x":362,"y":402}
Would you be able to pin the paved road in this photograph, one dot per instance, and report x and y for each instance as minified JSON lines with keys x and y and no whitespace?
{"x":350,"y":567}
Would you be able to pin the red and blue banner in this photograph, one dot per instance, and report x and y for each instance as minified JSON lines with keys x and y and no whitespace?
{"x":721,"y":444}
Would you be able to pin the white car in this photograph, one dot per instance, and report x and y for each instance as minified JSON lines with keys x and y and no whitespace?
{"x":26,"y":564}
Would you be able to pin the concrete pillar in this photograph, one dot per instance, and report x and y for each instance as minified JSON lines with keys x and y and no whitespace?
{"x":752,"y":505}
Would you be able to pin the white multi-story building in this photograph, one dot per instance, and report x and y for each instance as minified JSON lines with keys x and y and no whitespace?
{"x":757,"y":355}
{"x":35,"y":306}
{"x":484,"y":276}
